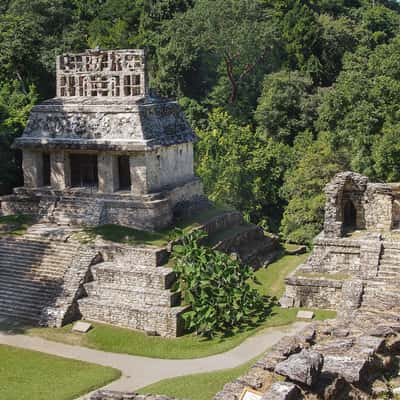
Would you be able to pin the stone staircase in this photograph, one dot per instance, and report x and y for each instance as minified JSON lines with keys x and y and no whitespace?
{"x":74,"y":211}
{"x":132,"y":289}
{"x":31,"y":275}
{"x":382,"y":293}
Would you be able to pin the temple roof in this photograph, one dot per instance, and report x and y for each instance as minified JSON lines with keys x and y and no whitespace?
{"x":104,"y":121}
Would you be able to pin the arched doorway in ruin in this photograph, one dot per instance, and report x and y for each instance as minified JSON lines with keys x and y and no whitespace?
{"x":349,"y":215}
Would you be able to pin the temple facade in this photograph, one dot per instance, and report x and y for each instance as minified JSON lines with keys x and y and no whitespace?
{"x":103,"y":150}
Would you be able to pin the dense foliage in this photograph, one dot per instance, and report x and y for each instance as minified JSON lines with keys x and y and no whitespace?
{"x":217,"y":288}
{"x":283,"y":93}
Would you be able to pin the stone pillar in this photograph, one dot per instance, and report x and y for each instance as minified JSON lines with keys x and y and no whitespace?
{"x":32,"y":165}
{"x":138,"y":168}
{"x":108,"y":175}
{"x":60,"y":170}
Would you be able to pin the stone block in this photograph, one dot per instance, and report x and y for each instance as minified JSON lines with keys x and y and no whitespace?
{"x":304,"y":367}
{"x":254,"y":378}
{"x":370,"y":342}
{"x":286,"y":302}
{"x":305,"y":314}
{"x":350,"y":368}
{"x":282,"y":391}
{"x":81,"y":327}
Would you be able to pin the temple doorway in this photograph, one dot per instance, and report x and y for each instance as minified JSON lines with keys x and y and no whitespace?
{"x":46,"y":170}
{"x":124,"y":173}
{"x":83,"y":170}
{"x":349,"y":215}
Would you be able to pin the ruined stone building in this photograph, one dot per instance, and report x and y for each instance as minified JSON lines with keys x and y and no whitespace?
{"x":103,"y":150}
{"x":355,"y":264}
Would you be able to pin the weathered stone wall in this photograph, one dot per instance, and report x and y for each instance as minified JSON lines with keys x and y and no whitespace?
{"x":112,"y":395}
{"x":150,"y":216}
{"x":322,"y":293}
{"x":169,"y":166}
{"x":374,"y":204}
{"x":353,"y":259}
{"x":143,"y":124}
{"x":334,"y":256}
{"x":344,"y":186}
{"x":131,"y":288}
{"x":378,"y":207}
{"x":11,"y":205}
{"x":32,"y":166}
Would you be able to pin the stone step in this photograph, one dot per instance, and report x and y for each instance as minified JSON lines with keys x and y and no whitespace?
{"x":39,"y":276}
{"x":33,"y":307}
{"x":39,"y":241}
{"x":34,"y":259}
{"x":140,"y":256}
{"x":384,"y":273}
{"x":21,"y":249}
{"x":22,"y":257}
{"x":32,"y":296}
{"x":160,"y":320}
{"x":14,"y":314}
{"x":30,"y":285}
{"x":33,"y":262}
{"x":389,"y":268}
{"x":390,"y":260}
{"x":133,"y":296}
{"x":156,"y":278}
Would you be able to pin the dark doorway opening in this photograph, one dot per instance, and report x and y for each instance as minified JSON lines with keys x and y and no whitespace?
{"x":349,"y":215}
{"x":124,"y":173}
{"x":46,"y":170}
{"x":83,"y":170}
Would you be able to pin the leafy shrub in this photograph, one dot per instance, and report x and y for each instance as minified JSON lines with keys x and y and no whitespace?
{"x":217,"y":287}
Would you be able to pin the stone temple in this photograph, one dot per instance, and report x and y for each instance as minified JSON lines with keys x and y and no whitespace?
{"x":103,"y":150}
{"x":355,"y":264}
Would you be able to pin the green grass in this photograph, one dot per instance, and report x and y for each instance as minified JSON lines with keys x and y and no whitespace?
{"x":198,"y":386}
{"x":291,"y":246}
{"x":21,"y":221}
{"x":272,"y":278}
{"x":120,"y":340}
{"x":121,"y":234}
{"x":337,"y":276}
{"x":30,"y":375}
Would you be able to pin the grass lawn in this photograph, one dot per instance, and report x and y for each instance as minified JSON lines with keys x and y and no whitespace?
{"x":29,"y":375}
{"x":120,"y":340}
{"x":198,"y":386}
{"x":121,"y":234}
{"x":272,"y":278}
{"x":20,"y":223}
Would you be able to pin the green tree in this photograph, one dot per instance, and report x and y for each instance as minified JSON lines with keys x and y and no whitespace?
{"x":15,"y":106}
{"x":241,"y":167}
{"x":364,"y":100}
{"x":303,"y":188}
{"x":235,"y":37}
{"x":287,"y":105}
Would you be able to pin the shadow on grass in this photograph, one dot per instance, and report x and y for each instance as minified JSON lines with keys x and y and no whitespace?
{"x":10,"y":326}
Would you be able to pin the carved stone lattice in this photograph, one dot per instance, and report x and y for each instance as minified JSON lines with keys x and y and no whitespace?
{"x":117,"y":73}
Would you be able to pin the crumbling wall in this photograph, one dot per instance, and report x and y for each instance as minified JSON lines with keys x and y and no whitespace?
{"x":345,"y":186}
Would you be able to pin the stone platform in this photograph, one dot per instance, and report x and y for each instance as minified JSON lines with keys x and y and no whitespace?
{"x":52,"y":275}
{"x":87,"y":207}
